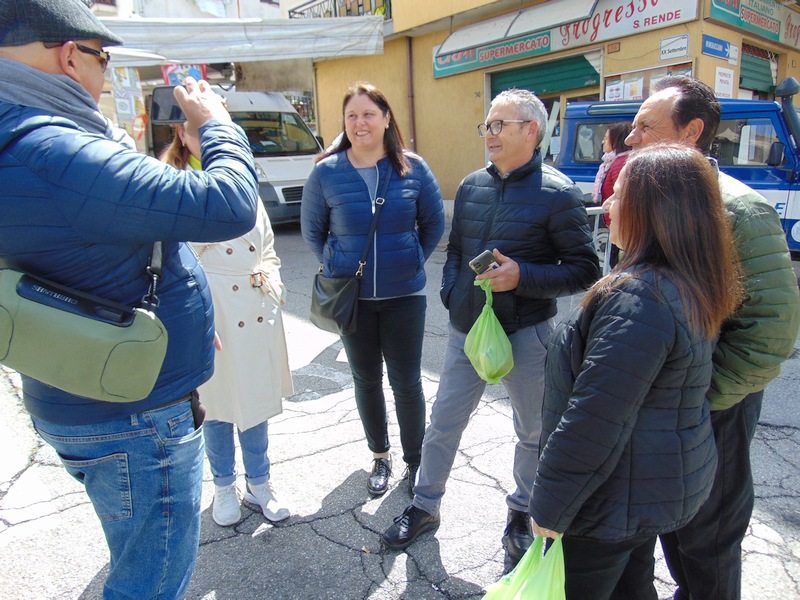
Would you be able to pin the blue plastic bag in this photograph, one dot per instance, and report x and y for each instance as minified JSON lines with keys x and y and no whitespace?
{"x":535,"y":577}
{"x":487,"y":345}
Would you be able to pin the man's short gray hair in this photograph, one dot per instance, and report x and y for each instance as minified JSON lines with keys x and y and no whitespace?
{"x":529,"y":108}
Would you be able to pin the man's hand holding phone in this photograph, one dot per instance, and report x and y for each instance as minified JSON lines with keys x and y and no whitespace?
{"x":505,"y":277}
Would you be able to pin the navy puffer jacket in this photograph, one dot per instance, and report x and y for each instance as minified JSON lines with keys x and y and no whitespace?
{"x":535,"y":216}
{"x":336,"y":215}
{"x":627,"y":443}
{"x":84,"y":211}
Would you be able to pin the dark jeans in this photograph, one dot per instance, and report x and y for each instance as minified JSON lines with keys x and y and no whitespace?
{"x":597,"y":570}
{"x":705,"y":556}
{"x":390,"y":330}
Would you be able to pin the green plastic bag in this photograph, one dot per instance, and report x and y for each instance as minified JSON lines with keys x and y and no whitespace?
{"x":535,"y":577}
{"x":487,"y":345}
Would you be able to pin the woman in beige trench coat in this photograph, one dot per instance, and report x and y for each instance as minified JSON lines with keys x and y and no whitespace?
{"x":251,"y":369}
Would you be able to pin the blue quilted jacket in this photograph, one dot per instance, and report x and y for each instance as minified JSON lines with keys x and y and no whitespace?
{"x":335,"y":219}
{"x":84,"y":211}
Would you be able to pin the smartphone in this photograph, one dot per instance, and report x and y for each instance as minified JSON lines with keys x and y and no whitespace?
{"x":483,"y":262}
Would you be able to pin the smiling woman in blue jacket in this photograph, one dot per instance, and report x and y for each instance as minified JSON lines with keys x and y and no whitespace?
{"x":627,"y":447}
{"x":338,"y":205}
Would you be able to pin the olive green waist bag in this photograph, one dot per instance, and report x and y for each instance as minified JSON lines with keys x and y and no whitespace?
{"x":80,"y":343}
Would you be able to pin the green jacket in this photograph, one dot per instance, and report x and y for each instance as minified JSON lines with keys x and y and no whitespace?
{"x":761,"y":334}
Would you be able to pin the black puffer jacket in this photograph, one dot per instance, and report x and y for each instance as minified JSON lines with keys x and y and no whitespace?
{"x":535,"y":216}
{"x":626,"y":431}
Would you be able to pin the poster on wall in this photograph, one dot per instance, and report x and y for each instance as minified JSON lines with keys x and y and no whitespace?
{"x":614,"y":91}
{"x":175,"y":74}
{"x":634,"y":89}
{"x":723,"y":83}
{"x":129,"y":103}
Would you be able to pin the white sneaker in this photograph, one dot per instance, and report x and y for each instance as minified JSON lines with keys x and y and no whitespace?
{"x":264,"y":496}
{"x":227,"y":499}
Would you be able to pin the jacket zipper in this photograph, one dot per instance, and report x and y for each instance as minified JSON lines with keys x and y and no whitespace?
{"x":375,"y":238}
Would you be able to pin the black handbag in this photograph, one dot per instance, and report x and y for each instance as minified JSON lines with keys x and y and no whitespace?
{"x":334,"y":300}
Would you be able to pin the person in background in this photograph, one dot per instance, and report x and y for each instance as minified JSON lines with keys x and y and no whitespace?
{"x":81,"y":207}
{"x":705,"y":555}
{"x":627,"y":447}
{"x":615,"y":153}
{"x":534,"y":220}
{"x":251,"y":368}
{"x":337,"y":208}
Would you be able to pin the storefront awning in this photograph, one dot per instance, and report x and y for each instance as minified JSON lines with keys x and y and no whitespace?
{"x":536,"y":18}
{"x":244,"y":40}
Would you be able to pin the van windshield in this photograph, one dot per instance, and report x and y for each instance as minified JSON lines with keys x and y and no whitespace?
{"x":276,"y":133}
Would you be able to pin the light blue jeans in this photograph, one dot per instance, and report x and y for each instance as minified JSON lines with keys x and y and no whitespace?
{"x":460,"y":390}
{"x":144,"y":476}
{"x":221,"y":452}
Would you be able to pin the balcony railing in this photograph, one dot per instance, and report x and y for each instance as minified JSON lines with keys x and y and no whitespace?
{"x":341,"y":8}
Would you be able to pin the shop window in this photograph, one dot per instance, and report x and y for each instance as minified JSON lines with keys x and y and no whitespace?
{"x":636,"y":85}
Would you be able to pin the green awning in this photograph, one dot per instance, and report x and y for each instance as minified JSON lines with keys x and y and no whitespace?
{"x":756,"y":74}
{"x":547,"y":78}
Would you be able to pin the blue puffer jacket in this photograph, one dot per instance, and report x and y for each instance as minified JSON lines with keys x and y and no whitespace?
{"x":84,"y":211}
{"x":535,"y":216}
{"x":627,"y":446}
{"x":336,"y":215}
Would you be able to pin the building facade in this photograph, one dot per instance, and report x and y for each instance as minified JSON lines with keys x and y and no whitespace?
{"x":444,"y":61}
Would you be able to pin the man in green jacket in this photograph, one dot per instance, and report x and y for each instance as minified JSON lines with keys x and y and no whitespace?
{"x":705,"y":556}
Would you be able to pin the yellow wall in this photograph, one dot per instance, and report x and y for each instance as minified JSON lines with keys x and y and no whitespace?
{"x":414,"y":13}
{"x":386,"y":71}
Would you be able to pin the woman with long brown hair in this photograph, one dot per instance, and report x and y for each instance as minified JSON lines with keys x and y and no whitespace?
{"x":338,"y":206}
{"x":628,"y":451}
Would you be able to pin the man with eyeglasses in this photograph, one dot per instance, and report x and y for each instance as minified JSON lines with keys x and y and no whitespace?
{"x":533,"y":219}
{"x":81,"y":207}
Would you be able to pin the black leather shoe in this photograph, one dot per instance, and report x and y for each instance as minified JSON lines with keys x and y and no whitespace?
{"x":517,"y":537}
{"x":378,"y":481}
{"x":411,"y":476}
{"x":408,"y":527}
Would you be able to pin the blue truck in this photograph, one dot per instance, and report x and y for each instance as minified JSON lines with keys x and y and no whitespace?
{"x":758,"y":143}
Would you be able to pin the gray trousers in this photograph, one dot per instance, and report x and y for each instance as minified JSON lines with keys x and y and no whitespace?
{"x":460,"y":390}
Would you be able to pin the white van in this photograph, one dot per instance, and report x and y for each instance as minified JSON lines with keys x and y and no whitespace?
{"x":283,"y":146}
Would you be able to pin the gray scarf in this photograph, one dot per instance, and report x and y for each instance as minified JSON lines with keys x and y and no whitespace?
{"x":55,"y":94}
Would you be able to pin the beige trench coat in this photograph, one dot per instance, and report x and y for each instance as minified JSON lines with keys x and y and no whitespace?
{"x":251,"y":372}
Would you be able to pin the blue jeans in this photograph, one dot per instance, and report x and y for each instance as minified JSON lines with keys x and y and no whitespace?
{"x":390,"y":330}
{"x":460,"y":390}
{"x":705,"y":555}
{"x":144,"y":476}
{"x":221,"y":452}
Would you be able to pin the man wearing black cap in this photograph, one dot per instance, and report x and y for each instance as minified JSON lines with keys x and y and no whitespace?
{"x":79,"y":206}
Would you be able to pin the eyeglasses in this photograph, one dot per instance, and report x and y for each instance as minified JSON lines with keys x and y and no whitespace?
{"x":104,"y":56}
{"x":496,"y":126}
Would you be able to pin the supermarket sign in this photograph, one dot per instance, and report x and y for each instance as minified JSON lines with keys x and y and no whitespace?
{"x":767,"y":19}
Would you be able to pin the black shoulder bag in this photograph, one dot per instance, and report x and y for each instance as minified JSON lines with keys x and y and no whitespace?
{"x":334,"y":300}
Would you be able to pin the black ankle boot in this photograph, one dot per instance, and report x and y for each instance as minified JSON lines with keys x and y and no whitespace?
{"x":378,"y":481}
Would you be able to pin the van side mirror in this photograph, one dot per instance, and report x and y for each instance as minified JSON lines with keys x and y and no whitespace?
{"x":775,"y":158}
